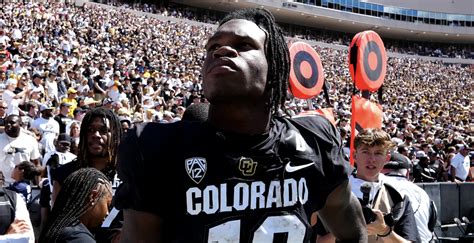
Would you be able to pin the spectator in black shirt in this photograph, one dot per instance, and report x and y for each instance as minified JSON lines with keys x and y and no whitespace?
{"x":423,"y":171}
{"x":62,"y":118}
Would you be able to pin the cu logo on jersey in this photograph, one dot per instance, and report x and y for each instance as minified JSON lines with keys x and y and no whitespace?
{"x":196,"y":168}
{"x":247,"y":166}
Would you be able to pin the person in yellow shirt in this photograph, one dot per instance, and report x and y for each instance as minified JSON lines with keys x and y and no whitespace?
{"x":71,"y":100}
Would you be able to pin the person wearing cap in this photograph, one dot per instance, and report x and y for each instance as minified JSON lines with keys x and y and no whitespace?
{"x":63,"y":117}
{"x":71,"y":100}
{"x":52,"y":161}
{"x":12,"y":99}
{"x":37,"y":88}
{"x":397,"y":171}
{"x":61,"y":155}
{"x":107,"y":103}
{"x":180,"y":111}
{"x":423,"y":171}
{"x":48,"y":127}
{"x":460,"y":164}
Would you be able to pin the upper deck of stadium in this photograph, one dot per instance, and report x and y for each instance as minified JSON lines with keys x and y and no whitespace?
{"x":445,"y":21}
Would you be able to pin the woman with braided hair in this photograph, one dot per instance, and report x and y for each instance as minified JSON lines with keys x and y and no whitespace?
{"x":81,"y":206}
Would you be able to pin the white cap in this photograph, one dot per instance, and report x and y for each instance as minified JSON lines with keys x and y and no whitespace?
{"x":420,"y":154}
{"x":11,"y":81}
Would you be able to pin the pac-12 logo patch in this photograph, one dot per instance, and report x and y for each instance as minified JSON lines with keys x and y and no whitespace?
{"x":196,"y":168}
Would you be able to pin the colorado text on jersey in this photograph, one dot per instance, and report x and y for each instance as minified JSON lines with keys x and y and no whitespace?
{"x":255,"y":195}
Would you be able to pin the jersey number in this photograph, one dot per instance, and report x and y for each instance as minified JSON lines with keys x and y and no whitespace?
{"x":230,"y":230}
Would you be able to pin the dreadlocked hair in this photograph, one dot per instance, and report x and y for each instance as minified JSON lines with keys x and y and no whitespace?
{"x":74,"y":200}
{"x":276,"y":52}
{"x":115,"y":130}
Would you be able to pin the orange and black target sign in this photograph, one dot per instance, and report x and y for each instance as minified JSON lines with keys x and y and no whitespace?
{"x":365,"y":114}
{"x":306,"y":73}
{"x":367,"y":61}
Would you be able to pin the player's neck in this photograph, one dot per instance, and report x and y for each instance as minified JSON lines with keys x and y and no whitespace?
{"x":99,"y":162}
{"x":234,"y":118}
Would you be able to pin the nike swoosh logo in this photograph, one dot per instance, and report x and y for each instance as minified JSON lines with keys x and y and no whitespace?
{"x":290,"y":168}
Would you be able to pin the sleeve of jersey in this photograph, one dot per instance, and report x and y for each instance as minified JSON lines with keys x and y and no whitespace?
{"x":138,"y":174}
{"x":334,"y":167}
{"x":406,"y":226}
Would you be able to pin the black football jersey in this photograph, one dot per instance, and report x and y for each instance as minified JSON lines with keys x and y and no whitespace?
{"x":214,"y":186}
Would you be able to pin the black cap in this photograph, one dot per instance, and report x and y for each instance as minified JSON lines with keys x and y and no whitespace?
{"x":397,"y":161}
{"x":63,"y":137}
{"x":77,"y":110}
{"x":65,"y":104}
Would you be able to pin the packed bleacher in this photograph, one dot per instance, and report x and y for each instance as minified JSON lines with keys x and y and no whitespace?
{"x":60,"y":61}
{"x":444,"y":50}
{"x":148,"y":70}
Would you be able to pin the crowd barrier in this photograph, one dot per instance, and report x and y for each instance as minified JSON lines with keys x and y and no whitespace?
{"x":452,"y":200}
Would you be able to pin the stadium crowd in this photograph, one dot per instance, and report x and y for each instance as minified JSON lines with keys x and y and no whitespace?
{"x":64,"y":57}
{"x":59,"y":61}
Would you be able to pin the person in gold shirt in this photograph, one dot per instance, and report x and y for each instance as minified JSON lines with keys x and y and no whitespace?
{"x":71,"y":100}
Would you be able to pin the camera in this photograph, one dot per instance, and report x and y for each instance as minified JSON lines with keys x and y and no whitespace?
{"x":370,"y":217}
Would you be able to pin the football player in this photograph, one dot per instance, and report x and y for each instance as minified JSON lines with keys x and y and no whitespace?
{"x":246,"y":174}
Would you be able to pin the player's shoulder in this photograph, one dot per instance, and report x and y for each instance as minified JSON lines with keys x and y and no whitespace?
{"x":314,"y":121}
{"x":164,"y":130}
{"x":162,"y":136}
{"x":62,"y":172}
{"x":315,"y":125}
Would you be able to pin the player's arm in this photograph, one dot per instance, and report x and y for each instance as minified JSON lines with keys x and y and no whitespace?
{"x":141,"y":226}
{"x":54,"y":194}
{"x":342,"y":215}
{"x":142,"y":222}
